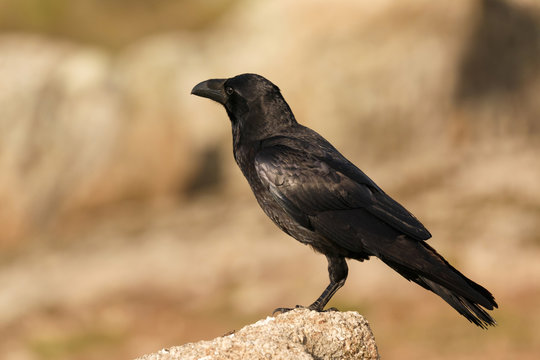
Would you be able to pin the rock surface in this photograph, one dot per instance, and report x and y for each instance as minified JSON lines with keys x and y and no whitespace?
{"x":298,"y":334}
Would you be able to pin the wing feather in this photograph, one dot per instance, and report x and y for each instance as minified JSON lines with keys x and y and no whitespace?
{"x":306,"y":185}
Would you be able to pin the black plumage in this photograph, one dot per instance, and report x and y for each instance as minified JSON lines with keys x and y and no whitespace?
{"x":314,"y":194}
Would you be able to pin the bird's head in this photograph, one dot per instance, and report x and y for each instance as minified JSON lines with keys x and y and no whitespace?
{"x":254,"y":105}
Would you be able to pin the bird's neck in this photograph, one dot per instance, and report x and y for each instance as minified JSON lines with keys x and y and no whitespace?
{"x":262,"y":121}
{"x":259,"y":121}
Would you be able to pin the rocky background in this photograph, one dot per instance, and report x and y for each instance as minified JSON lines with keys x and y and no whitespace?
{"x":126,"y":227}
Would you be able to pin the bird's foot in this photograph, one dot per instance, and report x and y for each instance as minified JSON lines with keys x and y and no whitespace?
{"x":319,"y":306}
{"x":330,"y":309}
{"x":313,"y":307}
{"x":282,"y":310}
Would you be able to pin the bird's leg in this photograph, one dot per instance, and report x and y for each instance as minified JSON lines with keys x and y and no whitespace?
{"x":338,"y":271}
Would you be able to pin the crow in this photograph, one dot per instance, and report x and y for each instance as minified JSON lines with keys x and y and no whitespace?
{"x":317,"y":196}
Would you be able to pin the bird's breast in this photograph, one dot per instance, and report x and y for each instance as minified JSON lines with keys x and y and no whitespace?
{"x":245,"y":158}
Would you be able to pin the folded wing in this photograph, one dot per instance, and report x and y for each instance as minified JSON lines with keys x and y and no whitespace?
{"x":332,"y":192}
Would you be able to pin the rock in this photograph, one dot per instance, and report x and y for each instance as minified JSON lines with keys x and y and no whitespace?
{"x":82,"y":130}
{"x":298,"y":334}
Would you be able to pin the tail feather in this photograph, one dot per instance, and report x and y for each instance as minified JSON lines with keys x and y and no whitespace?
{"x":461,"y":284}
{"x":420,"y":263}
{"x":470,"y":310}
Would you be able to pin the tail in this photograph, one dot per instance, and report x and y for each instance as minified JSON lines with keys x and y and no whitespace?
{"x":419,"y":262}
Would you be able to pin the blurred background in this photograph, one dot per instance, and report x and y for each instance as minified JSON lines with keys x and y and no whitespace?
{"x":126,"y":226}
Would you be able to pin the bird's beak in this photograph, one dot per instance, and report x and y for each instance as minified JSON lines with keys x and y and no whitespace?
{"x":212,"y":89}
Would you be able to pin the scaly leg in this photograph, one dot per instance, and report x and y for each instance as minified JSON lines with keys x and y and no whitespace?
{"x":338,"y":271}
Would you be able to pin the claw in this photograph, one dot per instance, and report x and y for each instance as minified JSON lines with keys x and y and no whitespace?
{"x":282,"y":310}
{"x":317,"y":307}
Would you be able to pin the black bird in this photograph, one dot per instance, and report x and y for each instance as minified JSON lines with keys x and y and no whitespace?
{"x":314,"y":194}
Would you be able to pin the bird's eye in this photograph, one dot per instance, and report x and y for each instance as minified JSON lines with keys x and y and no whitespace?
{"x":229,"y":90}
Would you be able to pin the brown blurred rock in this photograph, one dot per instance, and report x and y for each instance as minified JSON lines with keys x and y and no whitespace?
{"x":298,"y":334}
{"x":81,"y":130}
